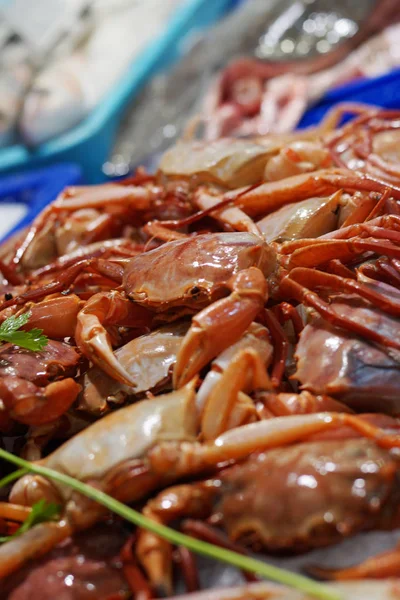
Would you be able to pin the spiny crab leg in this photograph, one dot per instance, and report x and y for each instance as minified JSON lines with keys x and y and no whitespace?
{"x":221,"y":324}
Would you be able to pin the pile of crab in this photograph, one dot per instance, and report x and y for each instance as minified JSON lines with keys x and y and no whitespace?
{"x":228,"y":326}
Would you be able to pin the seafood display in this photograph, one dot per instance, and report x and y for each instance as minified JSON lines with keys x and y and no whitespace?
{"x":286,"y":61}
{"x":216,"y":345}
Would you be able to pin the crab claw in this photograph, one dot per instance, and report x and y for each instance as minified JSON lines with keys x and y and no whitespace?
{"x":33,"y":405}
{"x":107,"y":308}
{"x":30,"y":489}
{"x":221,"y":324}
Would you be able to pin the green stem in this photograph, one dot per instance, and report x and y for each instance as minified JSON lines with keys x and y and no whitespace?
{"x":12,"y":477}
{"x":246,"y":563}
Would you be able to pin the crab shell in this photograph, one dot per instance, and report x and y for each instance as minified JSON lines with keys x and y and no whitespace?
{"x":309,"y":495}
{"x":194,"y":271}
{"x":229,"y":162}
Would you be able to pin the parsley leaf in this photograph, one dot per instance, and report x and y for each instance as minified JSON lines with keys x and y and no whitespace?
{"x":31,"y":340}
{"x":41,"y":512}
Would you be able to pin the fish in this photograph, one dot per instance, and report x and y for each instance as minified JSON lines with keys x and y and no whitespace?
{"x":15,"y":77}
{"x":66,"y":90}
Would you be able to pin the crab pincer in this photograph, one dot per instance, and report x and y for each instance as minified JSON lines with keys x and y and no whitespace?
{"x":221,"y":324}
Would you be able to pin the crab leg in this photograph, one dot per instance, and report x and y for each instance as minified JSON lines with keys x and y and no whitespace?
{"x":220,"y":400}
{"x":155,"y":229}
{"x":208,"y":533}
{"x":100,"y":196}
{"x":133,"y":575}
{"x":381,"y":566}
{"x":66,"y":279}
{"x":37,"y":541}
{"x":270,"y":196}
{"x":281,"y":346}
{"x":220,"y":406}
{"x":232,"y":215}
{"x":296,"y":289}
{"x":220,"y":324}
{"x":285,"y":404}
{"x":154,"y":553}
{"x":14,"y":512}
{"x":384,"y":223}
{"x":382,"y":270}
{"x":314,"y":279}
{"x":238,"y":443}
{"x":317,"y":253}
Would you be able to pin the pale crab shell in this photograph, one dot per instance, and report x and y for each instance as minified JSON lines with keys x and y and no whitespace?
{"x":350,"y":590}
{"x":126,"y":434}
{"x":228,"y":161}
{"x":148,"y":359}
{"x":306,"y":219}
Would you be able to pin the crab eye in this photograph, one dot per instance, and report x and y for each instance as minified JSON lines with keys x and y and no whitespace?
{"x":195,"y":291}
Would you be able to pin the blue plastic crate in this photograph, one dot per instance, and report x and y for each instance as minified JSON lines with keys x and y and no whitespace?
{"x":89,"y":143}
{"x":36,"y":189}
{"x":382,"y":91}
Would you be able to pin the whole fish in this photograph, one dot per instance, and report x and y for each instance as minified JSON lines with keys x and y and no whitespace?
{"x":66,"y":90}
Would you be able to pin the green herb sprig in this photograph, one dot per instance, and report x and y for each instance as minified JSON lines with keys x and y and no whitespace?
{"x":10,"y":331}
{"x":247,"y":563}
{"x":41,"y":511}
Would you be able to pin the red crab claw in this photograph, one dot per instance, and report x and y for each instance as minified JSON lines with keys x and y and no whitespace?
{"x":100,"y":311}
{"x":221,"y":324}
{"x":33,"y":405}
